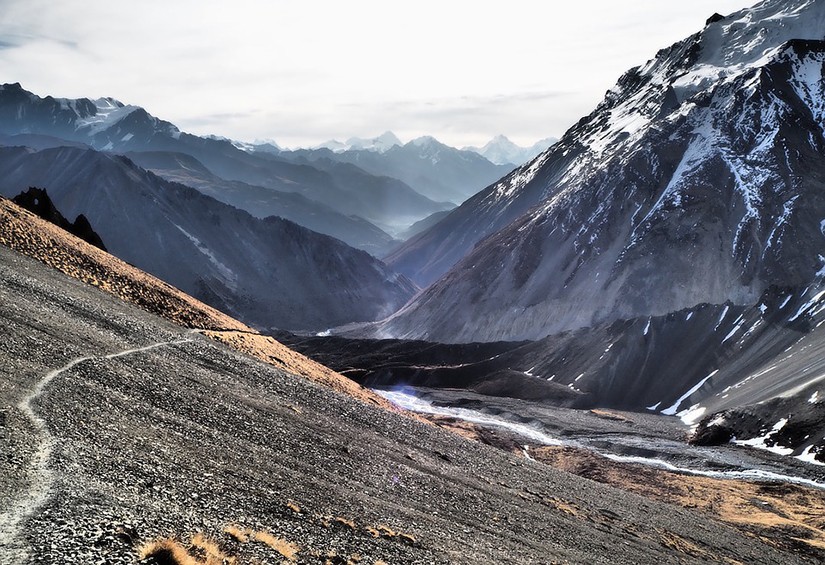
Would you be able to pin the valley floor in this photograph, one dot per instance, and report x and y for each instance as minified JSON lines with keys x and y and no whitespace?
{"x":777,"y":498}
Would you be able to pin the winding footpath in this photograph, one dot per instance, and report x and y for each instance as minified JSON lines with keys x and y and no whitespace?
{"x":13,"y":549}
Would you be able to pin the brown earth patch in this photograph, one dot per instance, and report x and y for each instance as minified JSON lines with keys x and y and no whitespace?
{"x":790,"y":517}
{"x":32,"y":236}
{"x":271,"y":351}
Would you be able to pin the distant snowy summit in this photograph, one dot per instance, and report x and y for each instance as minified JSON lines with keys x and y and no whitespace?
{"x":380,"y":144}
{"x":501,"y":151}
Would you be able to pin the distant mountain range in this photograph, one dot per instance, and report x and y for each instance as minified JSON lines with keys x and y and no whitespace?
{"x":499,"y":150}
{"x":438,"y":171}
{"x":381,"y":144}
{"x":270,"y":273}
{"x":502,"y":151}
{"x":108,"y":125}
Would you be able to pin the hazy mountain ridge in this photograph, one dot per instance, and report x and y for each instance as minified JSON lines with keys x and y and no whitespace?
{"x":263,"y":202}
{"x":109,"y":125}
{"x":439,"y":172}
{"x":266,"y":272}
{"x":501,"y":151}
{"x":380,"y":144}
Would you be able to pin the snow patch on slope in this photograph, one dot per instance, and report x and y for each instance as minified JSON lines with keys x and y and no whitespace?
{"x":760,"y":442}
{"x":671,"y":411}
{"x":230,"y":277}
{"x":109,"y":112}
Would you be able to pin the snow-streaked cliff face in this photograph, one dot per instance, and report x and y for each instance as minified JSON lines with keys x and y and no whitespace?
{"x":105,"y":123}
{"x":697,"y":179}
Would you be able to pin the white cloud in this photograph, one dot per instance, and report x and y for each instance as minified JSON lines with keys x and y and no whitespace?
{"x":301,"y":72}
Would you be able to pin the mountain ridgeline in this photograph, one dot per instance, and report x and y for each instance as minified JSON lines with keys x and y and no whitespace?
{"x":269,"y":272}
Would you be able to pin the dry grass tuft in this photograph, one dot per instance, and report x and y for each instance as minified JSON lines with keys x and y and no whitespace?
{"x":166,"y":552}
{"x":406,"y":538}
{"x":345,"y":522}
{"x":609,"y":415}
{"x":211,"y":552}
{"x":382,"y":531}
{"x":237,"y":533}
{"x":386,"y":531}
{"x":171,"y":552}
{"x":332,"y":557}
{"x":286,"y":548}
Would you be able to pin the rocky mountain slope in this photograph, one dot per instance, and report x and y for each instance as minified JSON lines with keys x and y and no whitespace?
{"x":267,"y":272}
{"x":709,"y":154}
{"x":125,"y":431}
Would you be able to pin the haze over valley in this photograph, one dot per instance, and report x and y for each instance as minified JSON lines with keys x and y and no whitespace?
{"x":476,"y":326}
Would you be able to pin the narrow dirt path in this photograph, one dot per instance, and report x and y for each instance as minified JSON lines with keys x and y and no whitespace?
{"x":13,"y":549}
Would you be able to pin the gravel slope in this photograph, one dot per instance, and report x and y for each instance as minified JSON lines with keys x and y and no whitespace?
{"x":191,"y":437}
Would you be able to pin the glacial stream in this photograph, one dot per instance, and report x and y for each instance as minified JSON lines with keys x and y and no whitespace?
{"x":735,"y":465}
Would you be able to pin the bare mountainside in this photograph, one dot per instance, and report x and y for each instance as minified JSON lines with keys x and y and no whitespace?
{"x":122,"y":429}
{"x":697,"y":179}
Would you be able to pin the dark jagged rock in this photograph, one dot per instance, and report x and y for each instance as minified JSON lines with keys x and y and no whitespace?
{"x":37,"y":200}
{"x":716,"y":17}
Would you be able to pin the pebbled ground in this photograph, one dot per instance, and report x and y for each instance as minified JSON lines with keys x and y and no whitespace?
{"x":194,"y":438}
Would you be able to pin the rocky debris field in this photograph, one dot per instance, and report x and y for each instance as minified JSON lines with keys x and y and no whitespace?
{"x":162,"y":434}
{"x":762,"y":493}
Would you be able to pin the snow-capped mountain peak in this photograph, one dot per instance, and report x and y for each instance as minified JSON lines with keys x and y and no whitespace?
{"x":379,"y":144}
{"x":108,"y":112}
{"x":729,"y":46}
{"x":425,"y":141}
{"x":501,"y":151}
{"x":428,"y":147}
{"x":104,"y":123}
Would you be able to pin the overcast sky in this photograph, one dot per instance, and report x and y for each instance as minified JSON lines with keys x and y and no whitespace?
{"x":303,"y":71}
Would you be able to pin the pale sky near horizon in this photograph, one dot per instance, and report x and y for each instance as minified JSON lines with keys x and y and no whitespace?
{"x":302,"y":72}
